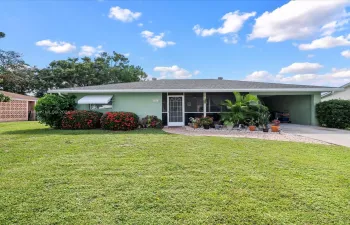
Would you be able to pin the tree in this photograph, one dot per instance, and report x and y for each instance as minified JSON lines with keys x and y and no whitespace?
{"x":104,"y":69}
{"x":2,"y":34}
{"x":4,"y":98}
{"x":15,"y":75}
{"x":51,"y":108}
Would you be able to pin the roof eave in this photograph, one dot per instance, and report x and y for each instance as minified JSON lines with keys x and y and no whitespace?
{"x":198,"y":90}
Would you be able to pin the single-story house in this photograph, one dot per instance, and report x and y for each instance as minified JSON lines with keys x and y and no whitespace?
{"x":20,"y":108}
{"x":345,"y":94}
{"x":175,"y":101}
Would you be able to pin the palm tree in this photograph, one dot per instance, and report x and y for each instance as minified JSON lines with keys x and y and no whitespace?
{"x":2,"y":34}
{"x":240,"y":109}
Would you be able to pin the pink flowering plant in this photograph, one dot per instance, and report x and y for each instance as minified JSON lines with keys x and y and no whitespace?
{"x":81,"y":119}
{"x":119,"y":121}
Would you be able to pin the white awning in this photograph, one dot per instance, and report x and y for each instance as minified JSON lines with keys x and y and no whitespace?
{"x":95,"y":99}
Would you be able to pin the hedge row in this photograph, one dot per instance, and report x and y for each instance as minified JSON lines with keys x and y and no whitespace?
{"x":334,"y":113}
{"x":83,"y":119}
{"x":119,"y":121}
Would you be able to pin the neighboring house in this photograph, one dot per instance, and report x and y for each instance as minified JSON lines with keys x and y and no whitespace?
{"x":345,"y":94}
{"x":20,"y":108}
{"x":176,"y":100}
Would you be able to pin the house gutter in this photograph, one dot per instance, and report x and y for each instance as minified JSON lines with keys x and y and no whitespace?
{"x":197,"y":90}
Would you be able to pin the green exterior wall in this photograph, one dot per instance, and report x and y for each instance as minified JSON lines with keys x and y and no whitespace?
{"x":142,"y":104}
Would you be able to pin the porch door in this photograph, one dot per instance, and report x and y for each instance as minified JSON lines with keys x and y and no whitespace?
{"x":176,"y":110}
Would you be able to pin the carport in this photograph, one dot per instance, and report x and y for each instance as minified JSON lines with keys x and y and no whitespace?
{"x":299,"y":107}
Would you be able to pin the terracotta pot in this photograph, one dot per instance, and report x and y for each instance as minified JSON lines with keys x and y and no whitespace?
{"x":195,"y":126}
{"x":252,"y":128}
{"x":275,"y":128}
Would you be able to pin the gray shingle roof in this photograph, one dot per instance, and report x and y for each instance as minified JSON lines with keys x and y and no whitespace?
{"x":191,"y":85}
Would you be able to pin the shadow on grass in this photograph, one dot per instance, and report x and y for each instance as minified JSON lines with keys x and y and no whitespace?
{"x":50,"y":131}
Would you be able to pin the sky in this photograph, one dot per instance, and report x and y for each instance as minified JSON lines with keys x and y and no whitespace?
{"x":303,"y":42}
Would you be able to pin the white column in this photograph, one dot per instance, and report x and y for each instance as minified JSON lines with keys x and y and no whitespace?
{"x":205,"y":103}
{"x":315,"y":98}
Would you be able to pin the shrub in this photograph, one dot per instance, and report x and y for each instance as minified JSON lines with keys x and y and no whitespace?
{"x":4,"y":98}
{"x":51,"y":108}
{"x":151,"y":122}
{"x":81,"y":119}
{"x":205,"y":121}
{"x":334,"y":113}
{"x":119,"y":121}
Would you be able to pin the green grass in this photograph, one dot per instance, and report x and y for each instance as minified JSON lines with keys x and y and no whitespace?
{"x":150,"y":177}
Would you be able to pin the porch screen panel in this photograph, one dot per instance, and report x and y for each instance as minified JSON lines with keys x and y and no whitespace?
{"x":215,"y":101}
{"x":175,"y":109}
{"x":193,"y":102}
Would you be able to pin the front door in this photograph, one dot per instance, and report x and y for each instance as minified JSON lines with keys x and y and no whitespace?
{"x":176,"y":110}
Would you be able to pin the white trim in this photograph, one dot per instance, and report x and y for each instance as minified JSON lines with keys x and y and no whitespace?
{"x":199,"y":90}
{"x":175,"y":124}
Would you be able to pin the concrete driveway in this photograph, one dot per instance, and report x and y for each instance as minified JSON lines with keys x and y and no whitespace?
{"x":330,"y":135}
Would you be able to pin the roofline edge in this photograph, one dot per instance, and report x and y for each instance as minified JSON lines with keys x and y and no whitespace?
{"x":199,"y":90}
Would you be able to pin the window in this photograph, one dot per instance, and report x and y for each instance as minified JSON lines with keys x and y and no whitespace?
{"x":101,"y":106}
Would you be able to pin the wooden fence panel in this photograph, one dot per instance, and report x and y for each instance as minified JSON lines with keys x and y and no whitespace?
{"x":15,"y":110}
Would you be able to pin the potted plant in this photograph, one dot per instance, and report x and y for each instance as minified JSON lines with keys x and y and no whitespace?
{"x":190,"y":124}
{"x":195,"y":122}
{"x":252,"y":126}
{"x":229,"y":124}
{"x":264,"y":120}
{"x":276,"y":126}
{"x":206,"y":122}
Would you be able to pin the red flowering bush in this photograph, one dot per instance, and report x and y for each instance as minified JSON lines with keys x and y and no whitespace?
{"x":119,"y":121}
{"x":151,"y":122}
{"x":81,"y":119}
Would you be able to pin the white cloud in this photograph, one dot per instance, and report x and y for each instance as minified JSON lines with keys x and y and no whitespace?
{"x":336,"y":77}
{"x":57,"y":47}
{"x":124,"y":15}
{"x":260,"y":75}
{"x":87,"y":50}
{"x":233,"y":22}
{"x":174,"y":72}
{"x":140,"y":24}
{"x":301,"y":68}
{"x":346,"y":53}
{"x":156,"y":40}
{"x":310,"y":55}
{"x":297,"y":19}
{"x":126,"y":54}
{"x":334,"y":26}
{"x":326,"y":42}
{"x":231,"y":40}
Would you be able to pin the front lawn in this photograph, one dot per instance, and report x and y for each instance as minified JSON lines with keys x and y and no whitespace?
{"x":150,"y":177}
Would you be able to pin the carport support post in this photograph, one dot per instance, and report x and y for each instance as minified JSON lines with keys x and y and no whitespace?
{"x":315,"y":98}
